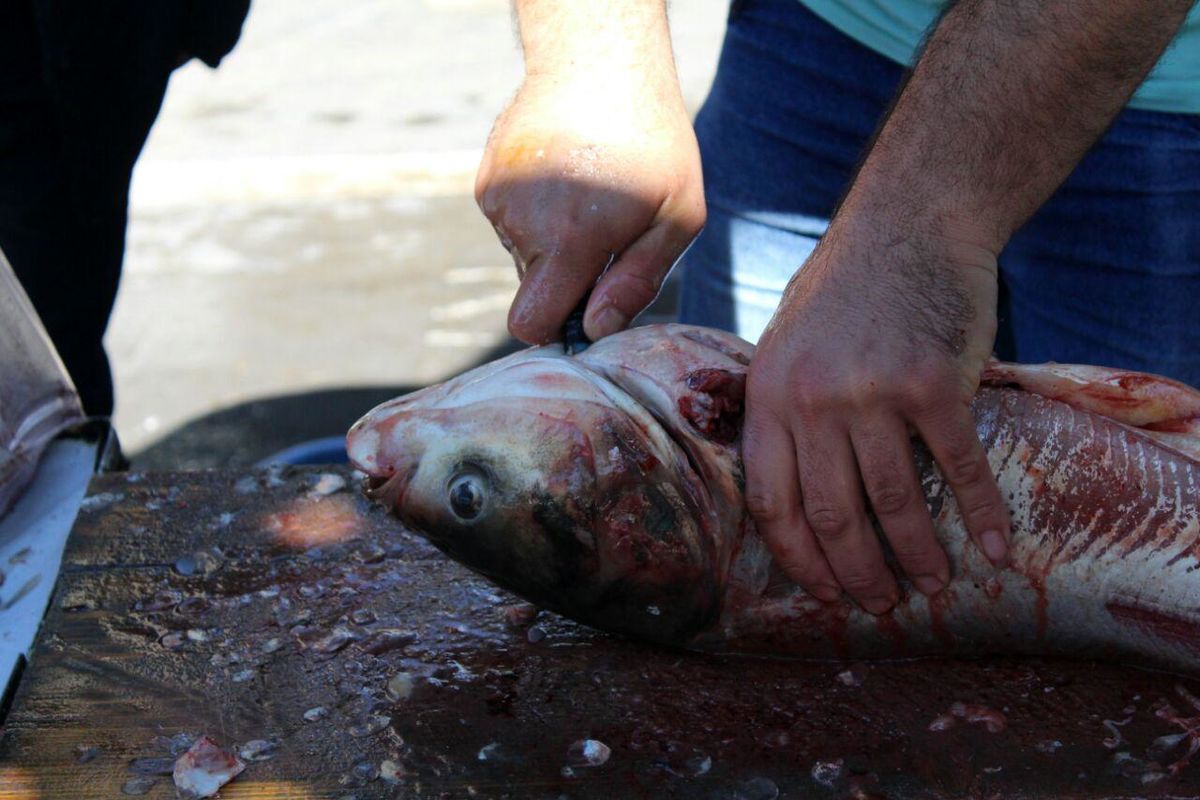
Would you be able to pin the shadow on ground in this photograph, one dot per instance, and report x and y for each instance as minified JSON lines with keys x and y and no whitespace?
{"x":244,"y":434}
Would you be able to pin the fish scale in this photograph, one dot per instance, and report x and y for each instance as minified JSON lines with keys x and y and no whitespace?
{"x":1099,"y":468}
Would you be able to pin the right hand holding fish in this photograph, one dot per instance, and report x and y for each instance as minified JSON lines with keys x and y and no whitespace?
{"x":876,"y":336}
{"x":594,"y":159}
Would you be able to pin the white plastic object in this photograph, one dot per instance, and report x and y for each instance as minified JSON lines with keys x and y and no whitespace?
{"x":37,"y":398}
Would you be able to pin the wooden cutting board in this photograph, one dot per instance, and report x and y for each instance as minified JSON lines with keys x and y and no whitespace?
{"x":281,"y":609}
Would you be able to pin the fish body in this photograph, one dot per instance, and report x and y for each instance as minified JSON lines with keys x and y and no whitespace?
{"x":608,"y":486}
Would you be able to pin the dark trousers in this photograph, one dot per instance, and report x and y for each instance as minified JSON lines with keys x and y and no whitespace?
{"x":80,"y":87}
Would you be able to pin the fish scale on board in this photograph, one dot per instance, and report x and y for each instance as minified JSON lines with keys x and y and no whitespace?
{"x":608,"y":486}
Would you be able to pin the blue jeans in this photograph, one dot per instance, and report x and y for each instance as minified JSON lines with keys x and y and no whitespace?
{"x":1107,"y":272}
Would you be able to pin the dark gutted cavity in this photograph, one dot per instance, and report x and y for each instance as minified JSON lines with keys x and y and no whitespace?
{"x":714,"y":408}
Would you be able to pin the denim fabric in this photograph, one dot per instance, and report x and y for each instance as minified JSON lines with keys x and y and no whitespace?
{"x":1107,"y":272}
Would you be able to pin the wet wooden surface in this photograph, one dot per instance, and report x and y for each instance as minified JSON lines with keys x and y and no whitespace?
{"x":232,"y":604}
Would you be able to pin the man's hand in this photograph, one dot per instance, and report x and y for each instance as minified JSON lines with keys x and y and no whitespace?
{"x":595,"y":159}
{"x":885,"y":330}
{"x":874,"y":338}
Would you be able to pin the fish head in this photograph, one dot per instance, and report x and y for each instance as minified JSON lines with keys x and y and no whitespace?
{"x":541,"y":475}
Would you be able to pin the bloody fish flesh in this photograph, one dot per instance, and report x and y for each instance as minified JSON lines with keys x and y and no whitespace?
{"x":608,"y":487}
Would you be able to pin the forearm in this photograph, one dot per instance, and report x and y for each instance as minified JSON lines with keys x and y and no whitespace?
{"x":603,"y":41}
{"x":1006,"y":98}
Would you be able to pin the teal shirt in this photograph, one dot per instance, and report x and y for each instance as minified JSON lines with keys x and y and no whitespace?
{"x":895,"y":29}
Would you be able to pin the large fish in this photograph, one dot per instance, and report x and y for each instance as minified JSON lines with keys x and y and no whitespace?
{"x":608,"y":487}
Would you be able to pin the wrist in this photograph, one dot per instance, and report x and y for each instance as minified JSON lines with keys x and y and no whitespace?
{"x":875,"y":219}
{"x":589,"y":42}
{"x":932,"y":272}
{"x":611,"y":107}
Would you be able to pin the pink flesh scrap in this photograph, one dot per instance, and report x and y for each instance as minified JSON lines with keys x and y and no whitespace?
{"x":1100,"y":467}
{"x":204,"y":769}
{"x":1167,"y":410}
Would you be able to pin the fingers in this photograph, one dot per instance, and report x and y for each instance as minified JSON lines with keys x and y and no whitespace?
{"x":555,"y":234}
{"x":950,"y":435}
{"x":885,"y":460}
{"x":553,"y":280}
{"x":833,"y":506}
{"x":550,"y":229}
{"x":773,"y":500}
{"x":635,"y":277}
{"x":562,"y":235}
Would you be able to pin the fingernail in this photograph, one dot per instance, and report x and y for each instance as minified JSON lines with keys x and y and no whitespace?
{"x":878,"y":605}
{"x":608,"y":320}
{"x":928,"y":584}
{"x":995,"y":547}
{"x":826,"y":593}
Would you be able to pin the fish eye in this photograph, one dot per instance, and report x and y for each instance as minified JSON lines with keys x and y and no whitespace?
{"x":466,"y":493}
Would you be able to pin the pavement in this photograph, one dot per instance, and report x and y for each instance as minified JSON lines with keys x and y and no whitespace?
{"x":303,"y":239}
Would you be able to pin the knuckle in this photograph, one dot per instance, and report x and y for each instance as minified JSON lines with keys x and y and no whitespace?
{"x":889,"y":498}
{"x":983,"y":508}
{"x":811,"y":400}
{"x":637,"y":287}
{"x":862,"y":583}
{"x":916,"y":553}
{"x":867,"y":390}
{"x":766,"y":506}
{"x":924,"y":398}
{"x":964,"y":469}
{"x":926,"y":387}
{"x":829,"y":524}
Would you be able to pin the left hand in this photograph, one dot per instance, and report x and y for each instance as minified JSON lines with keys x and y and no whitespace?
{"x":876,"y":335}
{"x":577,"y":173}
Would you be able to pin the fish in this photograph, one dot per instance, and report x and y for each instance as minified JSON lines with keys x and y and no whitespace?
{"x":608,"y":487}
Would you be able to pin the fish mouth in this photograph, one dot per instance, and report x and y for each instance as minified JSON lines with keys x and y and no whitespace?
{"x":388,"y":490}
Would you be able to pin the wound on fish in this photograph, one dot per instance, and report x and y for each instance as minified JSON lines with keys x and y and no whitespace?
{"x":714,"y":405}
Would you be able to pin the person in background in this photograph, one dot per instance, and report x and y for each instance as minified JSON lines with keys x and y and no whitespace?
{"x":1031,"y":184}
{"x":81,"y":83}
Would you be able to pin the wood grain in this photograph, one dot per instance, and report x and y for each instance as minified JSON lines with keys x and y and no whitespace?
{"x":310,"y":598}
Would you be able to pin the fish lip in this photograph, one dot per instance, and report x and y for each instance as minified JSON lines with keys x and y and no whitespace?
{"x":388,"y":490}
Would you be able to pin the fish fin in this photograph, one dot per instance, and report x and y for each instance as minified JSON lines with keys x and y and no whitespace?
{"x":1165,"y":409}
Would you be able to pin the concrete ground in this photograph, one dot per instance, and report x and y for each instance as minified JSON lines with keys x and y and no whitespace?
{"x":303,"y":236}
